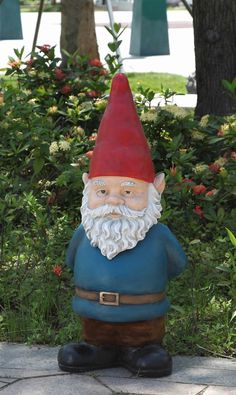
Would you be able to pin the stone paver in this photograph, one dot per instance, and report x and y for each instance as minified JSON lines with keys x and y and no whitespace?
{"x":151,"y":387}
{"x":209,"y":376}
{"x":2,"y":385}
{"x":206,"y":362}
{"x":19,"y":356}
{"x":6,"y":380}
{"x":60,"y":385}
{"x":220,"y":391}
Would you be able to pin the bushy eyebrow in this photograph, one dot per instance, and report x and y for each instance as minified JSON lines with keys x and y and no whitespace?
{"x":98,"y":182}
{"x":127,"y":184}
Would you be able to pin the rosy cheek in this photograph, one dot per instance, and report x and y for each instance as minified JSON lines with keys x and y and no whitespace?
{"x":93,"y":201}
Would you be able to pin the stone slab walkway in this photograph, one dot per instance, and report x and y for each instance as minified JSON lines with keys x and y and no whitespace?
{"x":33,"y":371}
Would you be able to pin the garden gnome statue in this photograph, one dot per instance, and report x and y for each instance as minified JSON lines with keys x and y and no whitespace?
{"x":121,"y":256}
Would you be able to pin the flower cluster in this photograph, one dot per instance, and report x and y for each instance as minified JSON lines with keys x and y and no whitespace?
{"x":57,"y":146}
{"x":43,"y":71}
{"x":200,"y":166}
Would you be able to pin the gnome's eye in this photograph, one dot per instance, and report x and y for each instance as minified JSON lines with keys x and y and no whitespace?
{"x":101,"y":192}
{"x":127,"y":193}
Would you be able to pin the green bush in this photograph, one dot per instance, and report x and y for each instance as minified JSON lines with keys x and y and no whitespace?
{"x":49,"y":118}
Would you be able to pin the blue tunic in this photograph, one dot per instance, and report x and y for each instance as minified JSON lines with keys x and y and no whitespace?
{"x":145,"y":269}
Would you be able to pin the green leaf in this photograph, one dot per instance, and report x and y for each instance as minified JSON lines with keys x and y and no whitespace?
{"x":233,"y":83}
{"x":111,"y":32}
{"x":9,"y":72}
{"x":233,"y":316}
{"x":178,"y":309}
{"x":195,"y":241}
{"x":211,"y":214}
{"x":11,"y":59}
{"x":66,"y":52}
{"x":216,"y":140}
{"x":113,"y":46}
{"x":117,"y":27}
{"x":19,"y":53}
{"x":150,"y":95}
{"x":227,"y":85}
{"x":121,"y":32}
{"x":220,"y":213}
{"x":177,"y":140}
{"x":223,"y":269}
{"x":231,"y":237}
{"x":38,"y":165}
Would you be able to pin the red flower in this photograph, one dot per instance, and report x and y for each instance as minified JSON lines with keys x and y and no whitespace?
{"x":93,"y":94}
{"x":214,"y":167}
{"x":220,"y":132}
{"x":44,"y":48}
{"x":95,"y":63}
{"x":188,"y":183}
{"x":103,"y":72}
{"x":15,"y":64}
{"x":93,"y":137}
{"x":30,"y":62}
{"x":198,"y":210}
{"x":173,"y":170}
{"x":57,"y":270}
{"x":89,"y":154}
{"x":211,"y":193}
{"x":199,"y":189}
{"x":94,"y":72}
{"x":187,"y":180}
{"x":59,"y":74}
{"x":233,"y":155}
{"x":52,"y":198}
{"x":66,"y":89}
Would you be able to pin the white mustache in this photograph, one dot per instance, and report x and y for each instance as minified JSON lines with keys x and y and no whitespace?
{"x":120,"y":210}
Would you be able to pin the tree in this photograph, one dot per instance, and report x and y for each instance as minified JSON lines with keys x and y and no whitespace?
{"x":215,"y":52}
{"x":78,"y":28}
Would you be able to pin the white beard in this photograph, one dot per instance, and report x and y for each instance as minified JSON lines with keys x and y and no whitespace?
{"x":113,"y":236}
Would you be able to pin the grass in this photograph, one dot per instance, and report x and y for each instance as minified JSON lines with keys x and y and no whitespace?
{"x":35,"y":8}
{"x":156,"y":81}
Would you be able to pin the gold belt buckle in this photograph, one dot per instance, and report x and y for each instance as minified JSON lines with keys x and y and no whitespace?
{"x":109,"y":298}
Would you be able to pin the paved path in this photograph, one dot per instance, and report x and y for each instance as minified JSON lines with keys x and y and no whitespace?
{"x":34,"y":371}
{"x":180,"y":61}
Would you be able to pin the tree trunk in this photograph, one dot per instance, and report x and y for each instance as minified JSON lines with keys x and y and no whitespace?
{"x":215,"y":51}
{"x":78,"y":28}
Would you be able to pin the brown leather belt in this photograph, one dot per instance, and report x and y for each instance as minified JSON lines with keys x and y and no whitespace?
{"x":115,"y":299}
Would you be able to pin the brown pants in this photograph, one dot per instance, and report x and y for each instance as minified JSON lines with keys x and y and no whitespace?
{"x":132,"y":334}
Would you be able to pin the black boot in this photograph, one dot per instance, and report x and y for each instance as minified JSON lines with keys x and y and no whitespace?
{"x":81,"y":357}
{"x":147,"y":361}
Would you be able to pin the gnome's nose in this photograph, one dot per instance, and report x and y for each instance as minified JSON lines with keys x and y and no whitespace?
{"x":114,"y":199}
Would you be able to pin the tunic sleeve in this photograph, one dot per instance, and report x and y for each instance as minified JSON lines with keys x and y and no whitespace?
{"x":72,"y":248}
{"x":177,"y":259}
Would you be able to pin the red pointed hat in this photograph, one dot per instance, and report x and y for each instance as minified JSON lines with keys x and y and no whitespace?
{"x":121,"y":148}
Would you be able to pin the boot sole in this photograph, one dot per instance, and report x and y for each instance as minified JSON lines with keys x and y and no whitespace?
{"x":149,"y":373}
{"x":81,"y":369}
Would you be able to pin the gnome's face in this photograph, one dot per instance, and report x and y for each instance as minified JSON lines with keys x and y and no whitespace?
{"x":118,"y":211}
{"x":118,"y":191}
